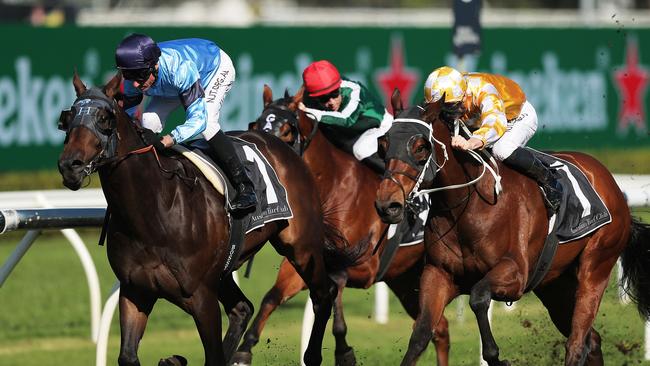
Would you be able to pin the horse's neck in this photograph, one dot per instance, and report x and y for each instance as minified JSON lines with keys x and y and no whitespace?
{"x":459,"y":169}
{"x":128,"y":139}
{"x":330,"y":164}
{"x":127,"y":172}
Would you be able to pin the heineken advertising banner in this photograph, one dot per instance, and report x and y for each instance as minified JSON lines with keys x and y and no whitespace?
{"x":587,"y":85}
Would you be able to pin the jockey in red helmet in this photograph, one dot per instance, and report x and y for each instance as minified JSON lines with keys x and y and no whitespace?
{"x":352,"y":117}
{"x":195,"y":74}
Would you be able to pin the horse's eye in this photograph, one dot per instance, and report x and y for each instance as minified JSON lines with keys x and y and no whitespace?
{"x":104,"y":122}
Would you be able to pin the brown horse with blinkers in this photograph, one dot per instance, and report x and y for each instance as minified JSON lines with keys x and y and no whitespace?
{"x":168,"y":231}
{"x":347,"y":189}
{"x":487,"y":247}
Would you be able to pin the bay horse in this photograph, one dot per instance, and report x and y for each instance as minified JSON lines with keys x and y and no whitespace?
{"x":168,"y":232}
{"x":347,"y":188}
{"x":487,"y":247}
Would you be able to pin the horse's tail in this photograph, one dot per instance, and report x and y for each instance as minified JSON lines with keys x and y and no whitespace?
{"x":636,"y":267}
{"x":339,"y":253}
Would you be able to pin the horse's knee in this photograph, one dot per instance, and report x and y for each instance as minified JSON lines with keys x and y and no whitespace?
{"x":441,"y":338}
{"x":480,"y":297}
{"x":245,"y":309}
{"x":422,"y":334}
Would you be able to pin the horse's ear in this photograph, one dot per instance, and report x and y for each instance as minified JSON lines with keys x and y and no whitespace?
{"x":267,"y":96}
{"x":432,"y":111}
{"x":286,"y":93}
{"x":297,"y":99}
{"x":79,"y":86}
{"x":113,"y":87}
{"x":396,"y":102}
{"x":252,"y":126}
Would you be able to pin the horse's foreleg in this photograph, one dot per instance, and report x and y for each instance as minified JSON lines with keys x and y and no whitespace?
{"x":287,"y":285}
{"x":322,"y":312}
{"x":436,"y":291}
{"x":239,"y":310}
{"x":135,"y":307}
{"x":343,"y":352}
{"x":406,"y":287}
{"x":203,"y":305}
{"x":502,"y":282}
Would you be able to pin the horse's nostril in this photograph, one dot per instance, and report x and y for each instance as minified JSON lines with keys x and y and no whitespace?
{"x":76,"y":164}
{"x":394,"y":207}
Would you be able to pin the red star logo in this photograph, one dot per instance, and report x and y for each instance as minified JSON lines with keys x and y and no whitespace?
{"x":631,"y":81}
{"x":396,"y":76}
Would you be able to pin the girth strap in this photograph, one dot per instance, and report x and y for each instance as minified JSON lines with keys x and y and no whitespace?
{"x":545,"y":257}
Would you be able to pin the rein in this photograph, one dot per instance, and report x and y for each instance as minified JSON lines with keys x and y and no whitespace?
{"x":310,"y":137}
{"x":116,"y":160}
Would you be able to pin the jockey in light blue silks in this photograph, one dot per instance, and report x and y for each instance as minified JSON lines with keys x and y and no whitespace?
{"x":193,"y":73}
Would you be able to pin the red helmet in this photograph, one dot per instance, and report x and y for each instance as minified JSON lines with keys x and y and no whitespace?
{"x":320,"y":78}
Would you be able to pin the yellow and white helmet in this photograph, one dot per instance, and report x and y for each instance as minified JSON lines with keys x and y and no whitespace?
{"x":445,"y":81}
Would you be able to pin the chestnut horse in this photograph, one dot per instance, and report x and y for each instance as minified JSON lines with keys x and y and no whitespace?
{"x":487,"y":247}
{"x":348,"y":189}
{"x":168,"y":232}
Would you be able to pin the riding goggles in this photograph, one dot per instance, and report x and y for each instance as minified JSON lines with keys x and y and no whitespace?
{"x":138,"y":75}
{"x":323,"y":99}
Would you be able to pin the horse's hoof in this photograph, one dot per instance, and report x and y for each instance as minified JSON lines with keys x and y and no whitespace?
{"x":242,"y":359}
{"x":346,"y":358}
{"x":174,"y":360}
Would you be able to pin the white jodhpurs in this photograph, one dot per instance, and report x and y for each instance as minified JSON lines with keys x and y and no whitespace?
{"x":519,"y":130}
{"x":156,"y":113}
{"x":366,"y":144}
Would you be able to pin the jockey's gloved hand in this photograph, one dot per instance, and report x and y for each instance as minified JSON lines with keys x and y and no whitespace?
{"x":151,"y":138}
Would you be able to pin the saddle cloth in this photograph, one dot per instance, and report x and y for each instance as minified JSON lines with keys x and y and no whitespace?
{"x":582,"y":210}
{"x":272,"y":203}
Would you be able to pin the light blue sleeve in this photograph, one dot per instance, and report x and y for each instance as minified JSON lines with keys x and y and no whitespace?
{"x":188,"y":83}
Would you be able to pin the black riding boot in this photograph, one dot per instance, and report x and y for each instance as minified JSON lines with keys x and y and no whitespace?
{"x":375,"y":163}
{"x":523,"y":161}
{"x":222,"y":151}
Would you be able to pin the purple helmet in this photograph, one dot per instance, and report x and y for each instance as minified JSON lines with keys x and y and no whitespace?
{"x":136,"y":51}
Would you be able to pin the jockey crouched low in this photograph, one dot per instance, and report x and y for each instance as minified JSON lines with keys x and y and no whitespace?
{"x":193,"y":73}
{"x":351,"y":117}
{"x":496,"y":109}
